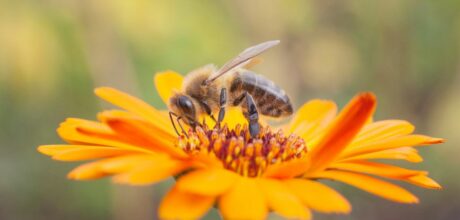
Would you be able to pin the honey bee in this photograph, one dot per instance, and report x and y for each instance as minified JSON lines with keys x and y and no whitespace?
{"x":208,"y":90}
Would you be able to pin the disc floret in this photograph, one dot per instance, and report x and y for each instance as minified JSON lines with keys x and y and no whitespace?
{"x":239,"y":152}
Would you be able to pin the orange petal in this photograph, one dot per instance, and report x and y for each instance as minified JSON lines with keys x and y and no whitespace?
{"x":380,"y":130}
{"x":160,"y":128}
{"x":424,"y":181}
{"x":391,"y":143}
{"x":312,"y":117}
{"x":282,"y":201}
{"x":93,"y":133}
{"x":287,"y":169}
{"x":153,"y":136}
{"x":403,"y":153}
{"x":131,"y":104}
{"x":178,"y":204}
{"x":209,"y":182}
{"x":81,"y":152}
{"x":244,"y":201}
{"x":167,"y":83}
{"x":152,"y":172}
{"x":372,"y":185}
{"x":342,"y":131}
{"x":379,"y":169}
{"x":87,"y":171}
{"x":318,"y":196}
{"x":111,"y":166}
{"x":129,"y":162}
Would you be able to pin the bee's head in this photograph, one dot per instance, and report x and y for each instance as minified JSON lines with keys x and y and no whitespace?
{"x":183,"y":106}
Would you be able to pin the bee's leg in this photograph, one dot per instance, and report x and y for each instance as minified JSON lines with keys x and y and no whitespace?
{"x":207,"y":109}
{"x":252,"y":115}
{"x":222,"y":104}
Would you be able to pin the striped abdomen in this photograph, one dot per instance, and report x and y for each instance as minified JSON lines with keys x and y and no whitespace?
{"x":270,"y":99}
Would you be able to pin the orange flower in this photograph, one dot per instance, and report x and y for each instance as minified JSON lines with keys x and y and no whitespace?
{"x":246,"y":178}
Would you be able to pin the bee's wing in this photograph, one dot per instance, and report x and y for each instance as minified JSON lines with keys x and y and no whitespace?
{"x":242,"y":58}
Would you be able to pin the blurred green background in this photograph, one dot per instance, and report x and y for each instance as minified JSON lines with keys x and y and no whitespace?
{"x":53,"y":53}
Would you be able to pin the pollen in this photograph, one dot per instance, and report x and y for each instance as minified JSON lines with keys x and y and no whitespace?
{"x":239,"y":152}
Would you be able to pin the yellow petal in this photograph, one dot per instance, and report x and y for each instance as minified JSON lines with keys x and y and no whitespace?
{"x":167,"y":83}
{"x":318,"y":196}
{"x":81,"y":152}
{"x":234,"y":116}
{"x":131,"y":104}
{"x":87,"y":171}
{"x":342,"y":131}
{"x":312,"y":117}
{"x":152,"y":172}
{"x":424,"y":181}
{"x":380,"y":130}
{"x":282,"y":201}
{"x":147,"y":134}
{"x":403,"y":153}
{"x":178,"y":204}
{"x":93,"y":133}
{"x":372,"y":185}
{"x":379,"y":169}
{"x":287,"y":169}
{"x":244,"y":201}
{"x":391,"y":143}
{"x":129,"y":162}
{"x":209,"y":182}
{"x":111,"y":166}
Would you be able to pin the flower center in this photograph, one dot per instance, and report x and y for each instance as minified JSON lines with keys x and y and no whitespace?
{"x":239,"y":152}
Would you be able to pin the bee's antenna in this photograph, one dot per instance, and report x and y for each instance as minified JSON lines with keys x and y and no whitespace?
{"x":180,"y":125}
{"x":172,"y":122}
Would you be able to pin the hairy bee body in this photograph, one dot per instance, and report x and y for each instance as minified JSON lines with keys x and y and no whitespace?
{"x":208,"y":90}
{"x":270,"y":100}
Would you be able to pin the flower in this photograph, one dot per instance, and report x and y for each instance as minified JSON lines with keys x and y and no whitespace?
{"x":246,"y":178}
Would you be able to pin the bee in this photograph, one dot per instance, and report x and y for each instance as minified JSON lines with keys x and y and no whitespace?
{"x":209,"y":90}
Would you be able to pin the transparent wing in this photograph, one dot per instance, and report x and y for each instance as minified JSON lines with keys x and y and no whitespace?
{"x":243,"y":58}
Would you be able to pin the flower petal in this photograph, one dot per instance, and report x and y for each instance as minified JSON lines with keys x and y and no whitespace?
{"x":403,"y":153}
{"x":81,"y":131}
{"x":81,"y":152}
{"x":281,"y":200}
{"x":380,"y":130}
{"x":209,"y":182}
{"x":318,"y":196}
{"x":178,"y":204}
{"x":289,"y":169}
{"x":111,"y":166}
{"x":372,"y":185}
{"x":424,"y":181}
{"x":131,"y":104}
{"x":152,"y":172}
{"x":155,"y":138}
{"x":167,"y":83}
{"x":244,"y":201}
{"x":342,"y":131}
{"x":390,"y":143}
{"x":379,"y":169}
{"x":312,"y":117}
{"x":127,"y":163}
{"x":87,"y":171}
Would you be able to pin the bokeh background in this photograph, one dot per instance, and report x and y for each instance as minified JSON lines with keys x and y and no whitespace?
{"x":53,"y":53}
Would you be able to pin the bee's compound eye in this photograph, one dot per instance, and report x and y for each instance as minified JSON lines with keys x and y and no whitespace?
{"x":186,"y":105}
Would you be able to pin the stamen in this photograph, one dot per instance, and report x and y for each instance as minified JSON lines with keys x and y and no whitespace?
{"x":239,"y":152}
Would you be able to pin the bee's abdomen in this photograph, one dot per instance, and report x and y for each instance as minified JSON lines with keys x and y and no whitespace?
{"x":270,"y":99}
